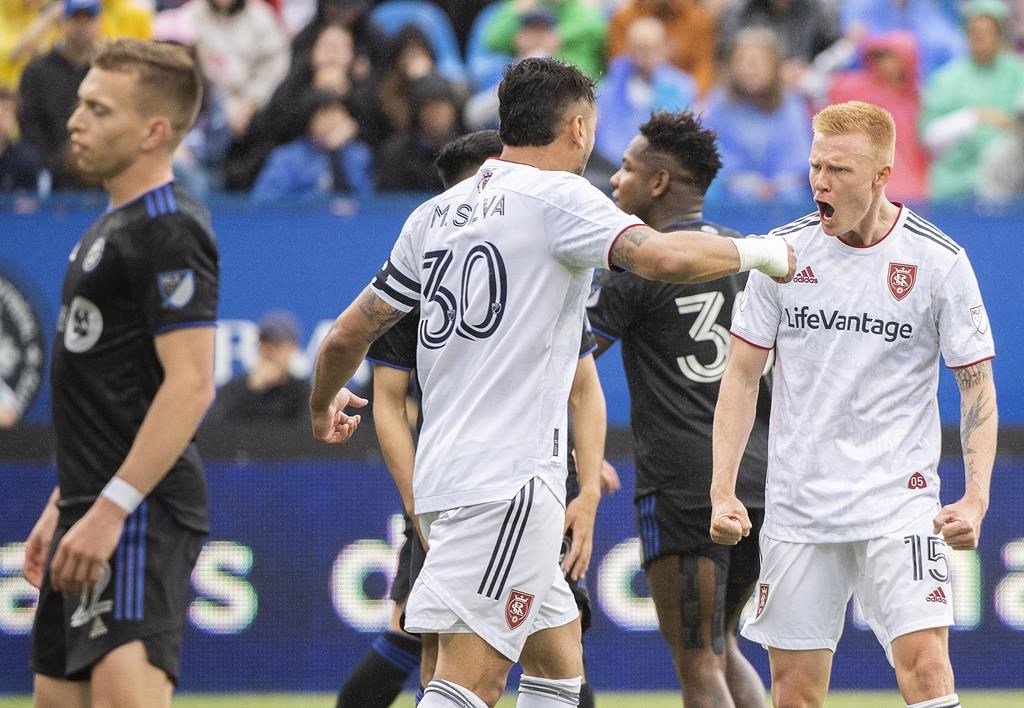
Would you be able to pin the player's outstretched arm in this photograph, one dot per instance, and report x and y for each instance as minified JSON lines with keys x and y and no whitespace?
{"x":960,"y":522}
{"x":186,"y":356}
{"x":394,"y":433}
{"x":340,"y":354}
{"x":734,"y":418}
{"x":589,"y":420}
{"x":695,"y":257}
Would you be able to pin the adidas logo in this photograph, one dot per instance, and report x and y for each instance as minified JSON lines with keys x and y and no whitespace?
{"x":936,"y":595}
{"x":805,"y":276}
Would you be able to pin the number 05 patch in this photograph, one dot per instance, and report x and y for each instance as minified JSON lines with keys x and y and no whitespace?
{"x":176,"y":287}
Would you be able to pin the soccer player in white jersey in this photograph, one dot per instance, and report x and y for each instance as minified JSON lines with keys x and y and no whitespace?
{"x":852,"y":501}
{"x":500,"y":265}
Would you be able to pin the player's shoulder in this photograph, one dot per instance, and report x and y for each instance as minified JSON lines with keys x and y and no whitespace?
{"x":555,"y":187}
{"x":803,"y":227}
{"x":169,"y":213}
{"x":929,"y":239}
{"x":703,"y":226}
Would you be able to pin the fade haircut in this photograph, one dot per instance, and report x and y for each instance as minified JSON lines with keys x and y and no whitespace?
{"x":533,"y":97}
{"x":682,"y":137}
{"x":461,"y":157}
{"x":874,"y":122}
{"x":168,"y":78}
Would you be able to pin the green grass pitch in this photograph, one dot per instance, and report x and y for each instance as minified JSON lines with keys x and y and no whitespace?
{"x":837,"y":699}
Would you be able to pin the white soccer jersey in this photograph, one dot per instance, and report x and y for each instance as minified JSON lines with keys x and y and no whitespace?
{"x":504,"y":261}
{"x":854,"y":438}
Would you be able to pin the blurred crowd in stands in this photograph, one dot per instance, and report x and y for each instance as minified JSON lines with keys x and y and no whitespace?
{"x":307,"y":98}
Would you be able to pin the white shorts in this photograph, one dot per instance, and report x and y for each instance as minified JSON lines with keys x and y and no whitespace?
{"x":901,"y":581}
{"x":492,"y":570}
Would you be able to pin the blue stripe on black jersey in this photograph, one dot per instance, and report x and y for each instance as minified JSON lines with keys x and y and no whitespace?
{"x":380,"y":362}
{"x":602,"y":333}
{"x":150,"y":205}
{"x":140,"y":570}
{"x":172,"y":204}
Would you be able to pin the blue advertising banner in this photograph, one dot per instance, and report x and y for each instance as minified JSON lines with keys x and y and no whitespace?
{"x":290,"y":589}
{"x":314,"y":262}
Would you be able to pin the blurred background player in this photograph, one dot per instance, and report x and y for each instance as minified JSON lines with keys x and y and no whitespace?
{"x":699,"y":588}
{"x":852,"y":500}
{"x":378,"y":679}
{"x":132,"y":376}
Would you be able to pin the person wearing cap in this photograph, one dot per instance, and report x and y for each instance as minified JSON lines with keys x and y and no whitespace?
{"x":329,"y":159}
{"x":48,"y":91}
{"x":970,"y":102}
{"x":1001,"y":178}
{"x":267,"y":392}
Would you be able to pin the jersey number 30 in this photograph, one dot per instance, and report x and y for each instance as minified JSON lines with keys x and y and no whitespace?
{"x":483,"y":269}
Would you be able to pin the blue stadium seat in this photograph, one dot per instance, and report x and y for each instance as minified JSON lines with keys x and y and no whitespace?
{"x":484,"y":66}
{"x":392,"y":15}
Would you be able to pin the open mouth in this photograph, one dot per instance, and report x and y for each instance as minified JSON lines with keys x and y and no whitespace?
{"x":825,"y":210}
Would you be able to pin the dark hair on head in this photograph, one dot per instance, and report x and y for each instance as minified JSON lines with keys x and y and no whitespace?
{"x":461,"y":157}
{"x":407,"y":36}
{"x":684,"y":138}
{"x":169,"y":80}
{"x":533,"y":97}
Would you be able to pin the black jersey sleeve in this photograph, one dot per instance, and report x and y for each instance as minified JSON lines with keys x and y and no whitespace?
{"x":614,"y":303}
{"x":174,"y":272}
{"x":397,"y":347}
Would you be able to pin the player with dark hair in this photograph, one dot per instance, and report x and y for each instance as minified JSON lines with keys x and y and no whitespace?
{"x":500,"y":265}
{"x":132,"y":375}
{"x":674,"y":350}
{"x":378,"y":678}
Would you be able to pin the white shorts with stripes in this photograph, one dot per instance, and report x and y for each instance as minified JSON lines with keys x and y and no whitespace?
{"x":492,"y":570}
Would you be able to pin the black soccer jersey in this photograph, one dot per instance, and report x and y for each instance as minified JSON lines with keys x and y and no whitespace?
{"x":141,"y":270}
{"x":675,"y":345}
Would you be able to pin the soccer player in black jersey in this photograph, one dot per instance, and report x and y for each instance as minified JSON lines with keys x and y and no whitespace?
{"x":675,"y":343}
{"x":132,"y":375}
{"x":378,"y":679}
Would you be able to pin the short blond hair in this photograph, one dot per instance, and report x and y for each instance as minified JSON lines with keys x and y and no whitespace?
{"x":869,"y":120}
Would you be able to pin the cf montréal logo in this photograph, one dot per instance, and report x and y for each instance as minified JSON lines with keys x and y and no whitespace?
{"x":21,"y":353}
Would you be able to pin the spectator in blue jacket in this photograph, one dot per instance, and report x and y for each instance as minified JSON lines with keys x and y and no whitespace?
{"x":329,"y":159}
{"x":639,"y":82}
{"x":764,"y":129}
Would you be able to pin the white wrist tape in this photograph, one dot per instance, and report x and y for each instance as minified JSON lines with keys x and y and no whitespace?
{"x":768,"y":255}
{"x":123,"y":494}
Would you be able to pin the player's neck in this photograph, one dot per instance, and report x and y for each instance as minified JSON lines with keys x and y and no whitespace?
{"x":542,"y":157}
{"x":141,"y":176}
{"x":876,"y":225}
{"x":661,"y":218}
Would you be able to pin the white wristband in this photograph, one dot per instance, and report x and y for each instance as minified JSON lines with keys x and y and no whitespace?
{"x":123,"y":494}
{"x":768,"y":255}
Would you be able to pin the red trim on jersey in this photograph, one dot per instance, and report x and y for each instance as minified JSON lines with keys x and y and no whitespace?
{"x":756,"y":346}
{"x":973,"y":363}
{"x":611,"y":266}
{"x":857,"y":245}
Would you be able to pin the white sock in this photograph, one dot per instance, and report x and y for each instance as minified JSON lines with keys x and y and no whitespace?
{"x":445,"y":694}
{"x":950,"y":701}
{"x":535,"y":692}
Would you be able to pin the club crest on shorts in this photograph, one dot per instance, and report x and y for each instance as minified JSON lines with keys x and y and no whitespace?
{"x":762,"y":598}
{"x":917,"y":481}
{"x":517,"y":609}
{"x":901,"y":279}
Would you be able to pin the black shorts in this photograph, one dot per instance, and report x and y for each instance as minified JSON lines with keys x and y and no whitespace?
{"x":667,"y":529}
{"x":142,"y":595}
{"x":410,"y":562}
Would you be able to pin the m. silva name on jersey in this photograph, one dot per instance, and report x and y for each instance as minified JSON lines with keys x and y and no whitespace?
{"x":804,"y":318}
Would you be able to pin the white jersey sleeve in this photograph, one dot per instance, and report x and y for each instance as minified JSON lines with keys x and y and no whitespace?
{"x":757,"y":321}
{"x":964,"y":334}
{"x":583,"y":223}
{"x":397,"y":283}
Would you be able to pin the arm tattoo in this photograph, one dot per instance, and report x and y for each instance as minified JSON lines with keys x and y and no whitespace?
{"x":625,"y":247}
{"x":970,"y":376}
{"x":381,"y":314}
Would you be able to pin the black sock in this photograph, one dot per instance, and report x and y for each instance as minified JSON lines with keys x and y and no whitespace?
{"x":586,"y":696}
{"x":379,"y":677}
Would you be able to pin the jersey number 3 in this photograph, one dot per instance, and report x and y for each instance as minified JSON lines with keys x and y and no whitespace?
{"x":469,"y":315}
